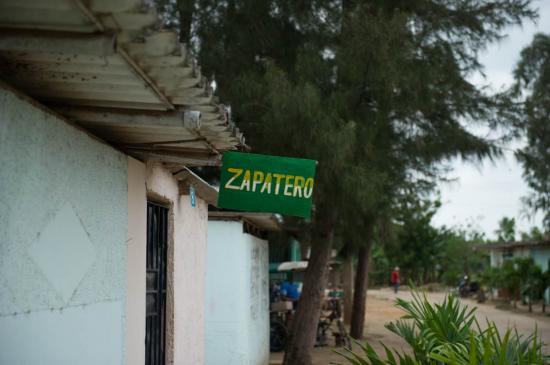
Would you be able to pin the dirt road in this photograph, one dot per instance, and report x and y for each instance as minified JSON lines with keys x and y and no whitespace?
{"x":380,"y":310}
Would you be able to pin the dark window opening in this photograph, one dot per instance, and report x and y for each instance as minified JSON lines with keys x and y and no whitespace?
{"x":155,"y":300}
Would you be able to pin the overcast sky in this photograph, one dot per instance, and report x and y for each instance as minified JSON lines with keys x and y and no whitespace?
{"x":483,"y":194}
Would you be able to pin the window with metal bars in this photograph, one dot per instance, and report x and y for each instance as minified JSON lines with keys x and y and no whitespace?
{"x":155,"y":322}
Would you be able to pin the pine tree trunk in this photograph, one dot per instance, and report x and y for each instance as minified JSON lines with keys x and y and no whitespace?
{"x":306,"y":318}
{"x":186,"y":9}
{"x":347,"y":272}
{"x":361,"y":286}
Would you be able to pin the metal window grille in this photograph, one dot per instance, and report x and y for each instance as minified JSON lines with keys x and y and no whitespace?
{"x":157,"y":242}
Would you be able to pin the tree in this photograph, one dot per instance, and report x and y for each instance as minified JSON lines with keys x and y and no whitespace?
{"x":506,"y":231}
{"x":425,"y":92}
{"x":420,"y":244}
{"x":279,"y":86}
{"x":177,"y":15}
{"x":459,"y":255}
{"x":523,"y":278}
{"x":492,"y":277}
{"x":534,"y":234}
{"x":532,"y":87}
{"x":511,"y":280}
{"x":530,"y":277}
{"x":375,"y":91}
{"x":423,"y":252}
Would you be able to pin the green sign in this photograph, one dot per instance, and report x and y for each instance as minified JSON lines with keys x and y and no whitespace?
{"x":259,"y":183}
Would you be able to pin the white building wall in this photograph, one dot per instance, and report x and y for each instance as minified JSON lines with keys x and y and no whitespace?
{"x":496,"y":258}
{"x":258,"y":327}
{"x":237,"y":296}
{"x":187,"y":267}
{"x":522,"y":252}
{"x":541,"y":256}
{"x":189,"y":281}
{"x":63,"y":253}
{"x":137,"y":250}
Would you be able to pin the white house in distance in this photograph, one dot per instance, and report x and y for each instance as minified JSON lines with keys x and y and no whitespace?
{"x":237,"y":288}
{"x":539,"y":251}
{"x":103,"y":240}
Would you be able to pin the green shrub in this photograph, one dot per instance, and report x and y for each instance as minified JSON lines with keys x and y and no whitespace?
{"x":449,"y":333}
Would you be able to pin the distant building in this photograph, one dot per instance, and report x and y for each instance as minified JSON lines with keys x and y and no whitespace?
{"x":539,"y":251}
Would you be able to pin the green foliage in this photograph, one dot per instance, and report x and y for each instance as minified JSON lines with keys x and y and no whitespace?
{"x":534,"y":234}
{"x":449,"y":333}
{"x":520,"y":277}
{"x":313,"y":133}
{"x":459,"y":255}
{"x":376,"y":91}
{"x":420,"y":242}
{"x":506,"y":231}
{"x":381,"y":265}
{"x":511,"y":278}
{"x":532,"y":283}
{"x":423,"y":252}
{"x":492,"y":278}
{"x":532,"y":75}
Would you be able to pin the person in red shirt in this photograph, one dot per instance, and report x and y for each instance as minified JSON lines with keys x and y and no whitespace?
{"x":395,"y":281}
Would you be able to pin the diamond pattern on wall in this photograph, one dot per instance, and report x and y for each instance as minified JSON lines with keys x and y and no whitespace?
{"x":64,"y":252}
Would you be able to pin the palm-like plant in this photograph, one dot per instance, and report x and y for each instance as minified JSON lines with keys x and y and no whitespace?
{"x":512,"y":279}
{"x":428,"y":325}
{"x":532,"y":283}
{"x":492,"y":278}
{"x":448,"y":333}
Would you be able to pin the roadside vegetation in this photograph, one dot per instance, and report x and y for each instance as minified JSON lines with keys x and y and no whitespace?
{"x":449,"y":333}
{"x":426,"y":253}
{"x":440,"y":257}
{"x":521,"y":279}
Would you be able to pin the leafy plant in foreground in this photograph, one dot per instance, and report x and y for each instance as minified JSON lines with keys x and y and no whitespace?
{"x":449,"y":333}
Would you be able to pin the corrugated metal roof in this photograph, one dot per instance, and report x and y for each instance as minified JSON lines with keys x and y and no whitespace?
{"x":206,"y":191}
{"x":103,"y":64}
{"x":514,"y":244}
{"x":264,"y":221}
